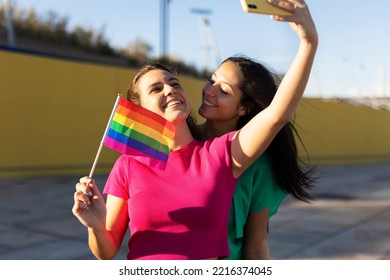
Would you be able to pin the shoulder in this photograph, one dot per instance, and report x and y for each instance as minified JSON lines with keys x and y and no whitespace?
{"x":121,"y":163}
{"x":219,"y":146}
{"x":122,"y":159}
{"x":228,"y":137}
{"x":117,"y":180}
{"x":220,"y":143}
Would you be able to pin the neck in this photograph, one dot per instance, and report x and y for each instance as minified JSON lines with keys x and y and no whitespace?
{"x":212,"y":129}
{"x":182,"y":138}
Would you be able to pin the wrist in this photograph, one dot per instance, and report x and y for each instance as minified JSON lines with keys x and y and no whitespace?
{"x":97,"y":229}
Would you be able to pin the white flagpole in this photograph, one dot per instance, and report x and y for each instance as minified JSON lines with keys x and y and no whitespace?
{"x":104,"y":136}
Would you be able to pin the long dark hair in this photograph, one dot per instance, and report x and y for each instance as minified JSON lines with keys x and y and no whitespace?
{"x":258,"y":86}
{"x":134,"y":96}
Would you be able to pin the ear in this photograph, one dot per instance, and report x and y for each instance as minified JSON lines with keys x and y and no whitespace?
{"x":242,"y":111}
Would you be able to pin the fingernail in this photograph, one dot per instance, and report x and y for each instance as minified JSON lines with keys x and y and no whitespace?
{"x":89,"y":193}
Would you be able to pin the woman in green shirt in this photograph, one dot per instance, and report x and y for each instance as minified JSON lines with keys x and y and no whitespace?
{"x":256,"y":199}
{"x":277,"y":173}
{"x":230,"y":99}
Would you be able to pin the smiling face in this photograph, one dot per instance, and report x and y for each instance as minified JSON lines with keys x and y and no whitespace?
{"x":221,"y":96}
{"x":161,"y":92}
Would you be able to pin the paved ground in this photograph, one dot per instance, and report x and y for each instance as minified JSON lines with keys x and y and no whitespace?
{"x":349,"y":220}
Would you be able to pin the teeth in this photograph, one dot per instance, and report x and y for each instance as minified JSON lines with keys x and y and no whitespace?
{"x":208,"y":103}
{"x":173,"y":102}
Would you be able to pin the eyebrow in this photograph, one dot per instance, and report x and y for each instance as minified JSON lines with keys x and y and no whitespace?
{"x":174,"y":79}
{"x":158,"y":83}
{"x":223,"y":81}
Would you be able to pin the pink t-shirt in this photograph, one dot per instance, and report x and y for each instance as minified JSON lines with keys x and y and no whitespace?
{"x":180,"y":212}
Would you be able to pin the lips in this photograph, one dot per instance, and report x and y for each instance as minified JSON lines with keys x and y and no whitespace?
{"x":173,"y":103}
{"x":208,"y":103}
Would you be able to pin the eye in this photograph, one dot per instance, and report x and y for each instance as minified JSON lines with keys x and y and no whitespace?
{"x":223,"y":92}
{"x":176,"y":85}
{"x":212,"y":82}
{"x":156,"y":89}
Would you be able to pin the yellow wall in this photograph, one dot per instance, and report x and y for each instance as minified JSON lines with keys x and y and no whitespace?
{"x":335,"y":132}
{"x":54,"y":112}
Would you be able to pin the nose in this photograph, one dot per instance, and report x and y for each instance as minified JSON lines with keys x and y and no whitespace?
{"x":209,"y":90}
{"x":168,"y":90}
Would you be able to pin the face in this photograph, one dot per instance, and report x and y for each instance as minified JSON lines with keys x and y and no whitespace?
{"x":221,"y":95}
{"x":161,"y":92}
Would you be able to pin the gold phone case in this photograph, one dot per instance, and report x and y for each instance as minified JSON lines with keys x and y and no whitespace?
{"x":262,"y":7}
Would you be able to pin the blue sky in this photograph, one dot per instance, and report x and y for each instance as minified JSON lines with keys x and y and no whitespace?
{"x":353,"y":58}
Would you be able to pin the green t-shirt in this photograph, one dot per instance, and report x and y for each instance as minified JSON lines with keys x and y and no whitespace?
{"x":256,"y":190}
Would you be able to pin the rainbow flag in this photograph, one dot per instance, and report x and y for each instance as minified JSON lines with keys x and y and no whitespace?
{"x":141,"y":133}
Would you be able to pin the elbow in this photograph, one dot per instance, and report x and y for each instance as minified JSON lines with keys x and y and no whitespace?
{"x":104,"y":256}
{"x":107,"y":252}
{"x":257,"y":254}
{"x":280,"y":121}
{"x":283,"y":121}
{"x":278,"y":116}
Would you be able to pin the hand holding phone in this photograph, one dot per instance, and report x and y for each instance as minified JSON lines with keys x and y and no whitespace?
{"x":263,"y":7}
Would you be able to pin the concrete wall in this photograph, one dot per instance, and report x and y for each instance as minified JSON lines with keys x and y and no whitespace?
{"x":54,"y":112}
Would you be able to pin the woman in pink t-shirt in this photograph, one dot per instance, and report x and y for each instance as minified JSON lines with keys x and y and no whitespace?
{"x":182,"y":212}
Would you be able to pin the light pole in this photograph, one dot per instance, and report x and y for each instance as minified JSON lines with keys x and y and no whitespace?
{"x":164,"y":28}
{"x":208,"y":42}
{"x":10,"y":27}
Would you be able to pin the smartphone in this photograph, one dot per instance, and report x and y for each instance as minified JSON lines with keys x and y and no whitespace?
{"x":262,"y":7}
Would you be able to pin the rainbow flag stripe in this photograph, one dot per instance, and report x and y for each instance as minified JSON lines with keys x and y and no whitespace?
{"x":145,"y":135}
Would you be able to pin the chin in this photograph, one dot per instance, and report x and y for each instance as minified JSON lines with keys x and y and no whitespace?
{"x":204,"y":112}
{"x":177,"y":117}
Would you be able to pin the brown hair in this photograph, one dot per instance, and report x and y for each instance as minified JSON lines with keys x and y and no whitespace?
{"x":134,"y":96}
{"x":133,"y":90}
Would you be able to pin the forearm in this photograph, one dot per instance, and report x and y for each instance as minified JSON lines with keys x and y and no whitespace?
{"x":257,"y":134}
{"x":102,"y":244}
{"x":260,"y":252}
{"x":255,"y":243}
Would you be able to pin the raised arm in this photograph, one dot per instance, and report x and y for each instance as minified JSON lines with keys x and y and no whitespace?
{"x":254,"y":138}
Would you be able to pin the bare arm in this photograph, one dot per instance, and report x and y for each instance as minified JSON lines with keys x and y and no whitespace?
{"x":106,"y":222}
{"x":255,"y":243}
{"x":254,"y":138}
{"x":105,"y":242}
